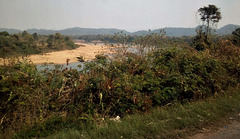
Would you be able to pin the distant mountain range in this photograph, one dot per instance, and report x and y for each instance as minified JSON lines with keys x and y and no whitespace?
{"x":170,"y":31}
{"x":11,"y":31}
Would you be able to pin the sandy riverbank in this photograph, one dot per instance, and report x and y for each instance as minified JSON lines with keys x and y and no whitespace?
{"x":88,"y":51}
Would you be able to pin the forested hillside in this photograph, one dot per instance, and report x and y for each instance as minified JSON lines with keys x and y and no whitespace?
{"x":170,"y":31}
{"x":25,"y":43}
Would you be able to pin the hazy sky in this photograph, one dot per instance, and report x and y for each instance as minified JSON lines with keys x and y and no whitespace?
{"x":131,"y":15}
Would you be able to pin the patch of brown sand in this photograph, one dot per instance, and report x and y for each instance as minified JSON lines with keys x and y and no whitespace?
{"x":88,"y":51}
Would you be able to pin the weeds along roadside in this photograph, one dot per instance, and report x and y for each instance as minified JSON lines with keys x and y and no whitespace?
{"x":172,"y":121}
{"x":132,"y":82}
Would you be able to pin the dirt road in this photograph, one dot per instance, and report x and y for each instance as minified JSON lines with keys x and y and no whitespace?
{"x":230,"y":130}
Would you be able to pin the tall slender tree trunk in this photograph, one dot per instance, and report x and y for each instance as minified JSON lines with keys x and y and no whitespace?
{"x":207,"y":27}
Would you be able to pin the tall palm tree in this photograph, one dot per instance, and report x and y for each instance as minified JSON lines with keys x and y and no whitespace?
{"x":210,"y":14}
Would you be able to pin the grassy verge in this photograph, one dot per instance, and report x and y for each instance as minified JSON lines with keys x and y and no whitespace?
{"x":172,"y":121}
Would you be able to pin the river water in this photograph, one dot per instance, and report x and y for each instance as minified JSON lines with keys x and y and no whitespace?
{"x":78,"y":66}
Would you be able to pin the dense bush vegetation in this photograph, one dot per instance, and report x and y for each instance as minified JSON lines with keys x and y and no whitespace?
{"x":236,"y":37}
{"x":152,"y":71}
{"x":25,"y":43}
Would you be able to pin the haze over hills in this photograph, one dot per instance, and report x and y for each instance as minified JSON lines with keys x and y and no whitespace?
{"x":228,"y":29}
{"x":177,"y":32}
{"x":170,"y":31}
{"x":11,"y":31}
